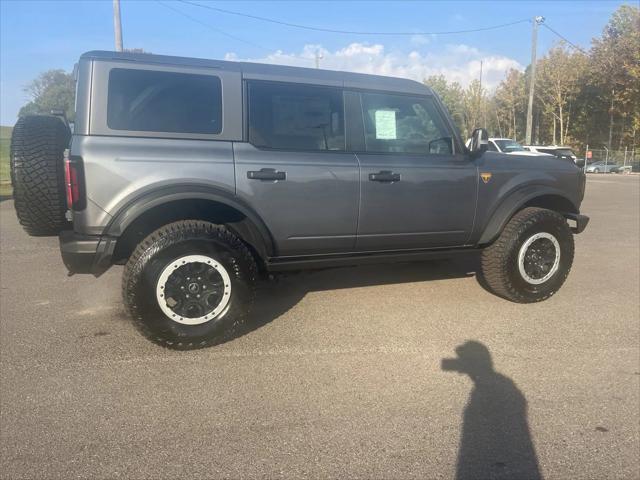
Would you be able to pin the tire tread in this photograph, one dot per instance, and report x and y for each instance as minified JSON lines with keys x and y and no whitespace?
{"x":185,"y":230}
{"x":37,"y":173}
{"x":495,"y":258}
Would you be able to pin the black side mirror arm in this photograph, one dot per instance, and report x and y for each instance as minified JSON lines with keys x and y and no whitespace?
{"x":479,"y":142}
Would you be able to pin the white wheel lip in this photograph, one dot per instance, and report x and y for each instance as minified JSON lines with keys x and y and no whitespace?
{"x":523,"y":250}
{"x":168,"y":270}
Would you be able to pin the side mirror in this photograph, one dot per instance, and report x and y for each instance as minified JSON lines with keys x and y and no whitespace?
{"x":479,"y":141}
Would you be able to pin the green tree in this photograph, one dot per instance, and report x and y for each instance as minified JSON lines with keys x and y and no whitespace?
{"x":510,"y":103}
{"x":475,"y":108}
{"x":560,"y":78}
{"x":615,"y":68}
{"x":53,"y":89}
{"x":451,"y":95}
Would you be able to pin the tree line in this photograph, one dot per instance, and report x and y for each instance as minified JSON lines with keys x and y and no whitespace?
{"x":581,"y":96}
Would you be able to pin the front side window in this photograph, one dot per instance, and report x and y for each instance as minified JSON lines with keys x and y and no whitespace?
{"x":296,"y":117}
{"x":403,"y":124}
{"x":154,"y":101}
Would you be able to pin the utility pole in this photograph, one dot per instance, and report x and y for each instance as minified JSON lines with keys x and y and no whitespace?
{"x":532,"y":81}
{"x":117,"y":25}
{"x":318,"y":58}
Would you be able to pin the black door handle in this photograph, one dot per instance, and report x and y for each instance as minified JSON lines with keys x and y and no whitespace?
{"x":266,"y":174}
{"x":384,"y":176}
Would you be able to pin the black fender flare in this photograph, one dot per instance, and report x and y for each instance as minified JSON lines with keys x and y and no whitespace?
{"x":513,"y":202}
{"x":251,"y":229}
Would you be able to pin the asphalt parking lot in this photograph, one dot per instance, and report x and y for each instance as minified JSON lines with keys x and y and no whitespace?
{"x":339,"y":375}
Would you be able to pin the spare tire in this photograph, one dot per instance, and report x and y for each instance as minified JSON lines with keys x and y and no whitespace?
{"x":37,"y":173}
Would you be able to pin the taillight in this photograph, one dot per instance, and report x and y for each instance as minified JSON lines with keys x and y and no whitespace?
{"x":74,"y":182}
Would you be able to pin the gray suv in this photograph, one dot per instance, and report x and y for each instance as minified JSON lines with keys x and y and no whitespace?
{"x":199,"y":175}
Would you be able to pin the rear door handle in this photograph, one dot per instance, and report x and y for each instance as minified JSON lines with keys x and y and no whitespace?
{"x":384,"y":176}
{"x":266,"y":174}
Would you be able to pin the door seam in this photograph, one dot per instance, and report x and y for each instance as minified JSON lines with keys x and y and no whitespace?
{"x":355,"y":243}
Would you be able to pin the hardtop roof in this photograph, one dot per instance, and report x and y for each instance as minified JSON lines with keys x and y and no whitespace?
{"x":273,"y":72}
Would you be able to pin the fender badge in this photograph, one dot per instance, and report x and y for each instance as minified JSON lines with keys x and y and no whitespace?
{"x":485,"y":177}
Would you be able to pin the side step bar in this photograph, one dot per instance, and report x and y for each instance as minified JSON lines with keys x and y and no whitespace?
{"x":279,"y":264}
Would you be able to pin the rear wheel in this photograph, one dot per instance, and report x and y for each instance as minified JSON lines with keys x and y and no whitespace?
{"x":189,"y":285}
{"x":37,"y":173}
{"x":531,"y":258}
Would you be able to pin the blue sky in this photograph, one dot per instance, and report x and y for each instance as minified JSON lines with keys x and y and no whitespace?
{"x":40,"y":35}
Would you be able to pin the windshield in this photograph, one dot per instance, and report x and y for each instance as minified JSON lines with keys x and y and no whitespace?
{"x":566,"y":152}
{"x":509,"y":146}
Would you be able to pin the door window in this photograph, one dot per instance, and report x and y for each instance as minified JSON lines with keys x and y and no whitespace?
{"x":403,"y":124}
{"x":296,"y":117}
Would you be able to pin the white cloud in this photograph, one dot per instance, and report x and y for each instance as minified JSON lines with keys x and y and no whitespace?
{"x":420,"y":40}
{"x":458,"y":62}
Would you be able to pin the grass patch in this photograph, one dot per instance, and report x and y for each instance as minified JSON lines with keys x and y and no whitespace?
{"x":5,"y":179}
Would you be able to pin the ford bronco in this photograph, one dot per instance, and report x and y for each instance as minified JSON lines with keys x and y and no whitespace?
{"x":198,"y":175}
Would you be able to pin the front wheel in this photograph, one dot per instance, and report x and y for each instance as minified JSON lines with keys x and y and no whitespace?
{"x":531,"y":258}
{"x":189,"y":285}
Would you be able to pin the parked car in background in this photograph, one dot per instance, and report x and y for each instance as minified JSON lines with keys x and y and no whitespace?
{"x":508,"y":146}
{"x":601,"y":167}
{"x":564,"y":153}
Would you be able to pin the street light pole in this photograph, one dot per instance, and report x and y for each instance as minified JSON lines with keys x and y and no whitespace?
{"x":532,"y":81}
{"x":117,"y":25}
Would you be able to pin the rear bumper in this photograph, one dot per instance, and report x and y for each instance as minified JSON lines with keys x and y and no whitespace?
{"x":86,"y":253}
{"x":581,"y":221}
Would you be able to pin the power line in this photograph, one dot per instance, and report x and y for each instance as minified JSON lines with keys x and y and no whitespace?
{"x":211,"y":27}
{"x":564,"y":38}
{"x":349,"y":32}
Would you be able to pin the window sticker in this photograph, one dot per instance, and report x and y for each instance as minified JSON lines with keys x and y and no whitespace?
{"x":386,"y":124}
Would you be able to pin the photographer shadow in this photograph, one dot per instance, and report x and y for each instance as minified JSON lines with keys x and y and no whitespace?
{"x":495,"y":442}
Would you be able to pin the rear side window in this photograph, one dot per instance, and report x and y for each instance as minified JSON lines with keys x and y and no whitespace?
{"x":403,"y":124}
{"x":153,"y":101}
{"x":296,"y":117}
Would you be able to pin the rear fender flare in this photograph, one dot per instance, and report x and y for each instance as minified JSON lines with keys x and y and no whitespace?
{"x":251,"y":229}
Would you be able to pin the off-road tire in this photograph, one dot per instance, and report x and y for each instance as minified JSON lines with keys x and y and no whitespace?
{"x":499,"y":261}
{"x":168,"y":243}
{"x":37,"y":173}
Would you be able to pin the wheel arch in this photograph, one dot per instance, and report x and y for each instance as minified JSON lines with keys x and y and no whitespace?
{"x":154,"y":209}
{"x":530,"y":196}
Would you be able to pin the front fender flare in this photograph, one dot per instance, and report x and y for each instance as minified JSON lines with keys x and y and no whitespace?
{"x":513,"y":202}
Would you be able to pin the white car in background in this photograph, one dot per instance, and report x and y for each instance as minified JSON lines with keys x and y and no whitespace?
{"x":510,"y":147}
{"x":564,"y":153}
